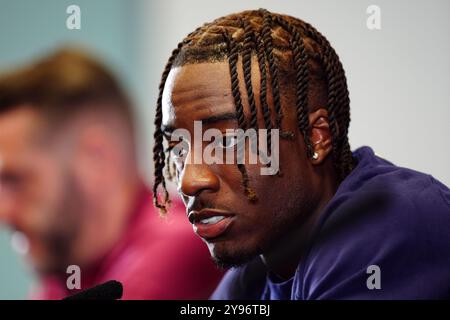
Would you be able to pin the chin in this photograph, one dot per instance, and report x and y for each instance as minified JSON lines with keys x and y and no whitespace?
{"x":226,"y":254}
{"x":46,"y":266}
{"x":43,"y":268}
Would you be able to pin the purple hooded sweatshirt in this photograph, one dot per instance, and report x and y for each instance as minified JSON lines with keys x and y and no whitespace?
{"x":385,"y":234}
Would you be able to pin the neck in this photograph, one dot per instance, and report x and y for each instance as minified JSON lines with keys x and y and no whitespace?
{"x":283,"y":258}
{"x":111,"y":216}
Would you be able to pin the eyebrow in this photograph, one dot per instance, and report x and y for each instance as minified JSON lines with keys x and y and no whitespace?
{"x":209,"y":120}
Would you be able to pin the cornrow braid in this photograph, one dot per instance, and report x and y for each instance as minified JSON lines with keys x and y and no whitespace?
{"x":232,"y":60}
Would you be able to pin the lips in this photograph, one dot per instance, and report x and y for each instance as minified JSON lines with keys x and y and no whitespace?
{"x":210,"y":224}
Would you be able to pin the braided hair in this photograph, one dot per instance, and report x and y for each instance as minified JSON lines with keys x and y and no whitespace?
{"x":289,"y":52}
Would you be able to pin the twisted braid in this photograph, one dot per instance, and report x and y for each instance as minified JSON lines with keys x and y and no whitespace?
{"x":338,"y":102}
{"x":247,"y":49}
{"x":158,"y":148}
{"x":263,"y":92}
{"x":300,"y":59}
{"x":232,"y":60}
{"x":266,"y":34}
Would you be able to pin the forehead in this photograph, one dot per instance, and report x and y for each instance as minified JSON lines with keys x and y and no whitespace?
{"x":17,"y":128}
{"x":197,"y":91}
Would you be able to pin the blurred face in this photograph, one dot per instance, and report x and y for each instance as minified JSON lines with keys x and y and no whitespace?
{"x":234,"y":228}
{"x":38,"y":197}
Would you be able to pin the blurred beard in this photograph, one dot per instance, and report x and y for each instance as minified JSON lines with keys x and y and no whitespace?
{"x":62,"y":232}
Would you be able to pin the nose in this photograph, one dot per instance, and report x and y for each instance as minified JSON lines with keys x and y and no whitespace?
{"x":196,"y":178}
{"x":6,"y":207}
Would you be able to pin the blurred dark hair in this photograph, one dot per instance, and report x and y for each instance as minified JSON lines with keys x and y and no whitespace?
{"x":63,"y":85}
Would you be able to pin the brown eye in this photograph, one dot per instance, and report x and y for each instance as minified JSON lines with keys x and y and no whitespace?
{"x":12,"y":181}
{"x":179,"y":150}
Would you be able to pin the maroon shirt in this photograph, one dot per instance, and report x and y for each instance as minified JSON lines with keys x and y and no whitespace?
{"x":156,"y":258}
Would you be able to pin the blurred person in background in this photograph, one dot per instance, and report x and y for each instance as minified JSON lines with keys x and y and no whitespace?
{"x":69,"y":182}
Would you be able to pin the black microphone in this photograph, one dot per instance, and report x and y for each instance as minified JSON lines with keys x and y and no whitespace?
{"x":110,"y":290}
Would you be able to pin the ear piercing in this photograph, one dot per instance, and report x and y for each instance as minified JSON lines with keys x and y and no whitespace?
{"x":315,"y":156}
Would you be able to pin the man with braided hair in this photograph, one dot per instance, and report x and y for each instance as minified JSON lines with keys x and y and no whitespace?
{"x":332,"y":223}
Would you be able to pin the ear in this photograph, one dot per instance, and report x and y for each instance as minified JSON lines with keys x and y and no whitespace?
{"x":93,"y":159}
{"x":320,"y":135}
